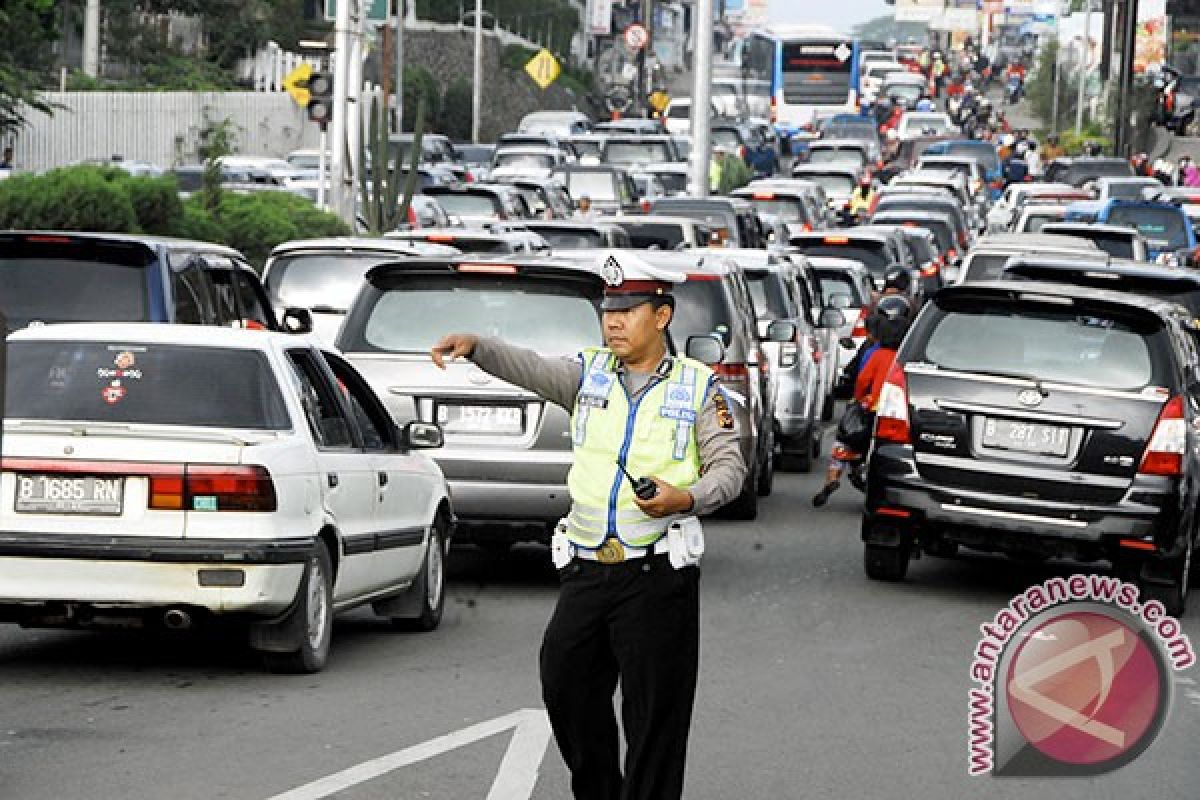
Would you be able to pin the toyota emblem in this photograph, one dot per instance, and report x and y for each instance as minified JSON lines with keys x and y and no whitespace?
{"x":1030,"y":398}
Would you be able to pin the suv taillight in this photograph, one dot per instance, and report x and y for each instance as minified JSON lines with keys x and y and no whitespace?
{"x":1168,"y":443}
{"x":735,"y":376}
{"x":891,"y":414}
{"x":213,"y":487}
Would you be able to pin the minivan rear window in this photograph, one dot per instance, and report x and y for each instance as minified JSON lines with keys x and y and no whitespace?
{"x":320,"y":280}
{"x":552,"y":318}
{"x":701,"y":309}
{"x":872,"y":256}
{"x":654,"y":235}
{"x":73,"y":282}
{"x":834,"y":282}
{"x":469,"y":205}
{"x":1064,"y":345}
{"x":154,"y":384}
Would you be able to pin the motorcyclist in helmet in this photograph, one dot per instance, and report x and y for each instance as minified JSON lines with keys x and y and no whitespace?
{"x":892,"y":320}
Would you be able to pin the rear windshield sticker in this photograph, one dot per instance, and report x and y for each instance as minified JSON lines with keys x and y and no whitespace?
{"x":123,"y":367}
{"x":113,"y":393}
{"x":1095,"y":322}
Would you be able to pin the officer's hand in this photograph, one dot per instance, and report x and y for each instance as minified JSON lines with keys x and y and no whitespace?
{"x":669,"y":500}
{"x":455,"y":345}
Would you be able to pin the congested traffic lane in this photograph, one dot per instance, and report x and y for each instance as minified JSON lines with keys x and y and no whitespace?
{"x":815,"y":682}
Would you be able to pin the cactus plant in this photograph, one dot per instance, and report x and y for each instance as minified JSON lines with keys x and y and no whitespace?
{"x":383,"y":209}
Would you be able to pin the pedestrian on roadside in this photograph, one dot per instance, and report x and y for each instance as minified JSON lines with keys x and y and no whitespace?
{"x":716,"y":169}
{"x":1033,"y":159}
{"x":6,"y":158}
{"x":1052,"y":150}
{"x":655,"y":446}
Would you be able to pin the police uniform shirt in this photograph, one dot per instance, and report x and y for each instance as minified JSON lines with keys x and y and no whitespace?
{"x":723,"y":470}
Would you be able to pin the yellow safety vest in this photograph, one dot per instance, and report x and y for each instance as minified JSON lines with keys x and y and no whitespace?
{"x":653,"y":435}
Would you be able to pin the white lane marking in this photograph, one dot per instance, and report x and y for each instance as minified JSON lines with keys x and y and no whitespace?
{"x":515,"y":779}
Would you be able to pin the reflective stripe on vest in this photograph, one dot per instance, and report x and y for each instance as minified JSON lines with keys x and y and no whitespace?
{"x":653,"y":434}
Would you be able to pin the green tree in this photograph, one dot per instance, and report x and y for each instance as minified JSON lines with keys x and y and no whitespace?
{"x":455,"y":120}
{"x":27,"y":30}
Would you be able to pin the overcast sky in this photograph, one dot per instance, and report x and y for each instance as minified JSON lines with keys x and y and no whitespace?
{"x":841,"y":14}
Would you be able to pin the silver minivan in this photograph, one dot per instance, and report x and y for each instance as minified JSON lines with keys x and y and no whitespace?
{"x":507,"y":451}
{"x":779,"y":287}
{"x":324,"y":275}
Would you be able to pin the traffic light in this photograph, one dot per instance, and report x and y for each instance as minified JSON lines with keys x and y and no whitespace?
{"x":320,"y":99}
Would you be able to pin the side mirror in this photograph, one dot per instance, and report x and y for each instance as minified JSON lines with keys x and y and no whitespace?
{"x":781,"y":330}
{"x":297,"y":320}
{"x":707,"y":349}
{"x":831,"y":318}
{"x":417,"y":435}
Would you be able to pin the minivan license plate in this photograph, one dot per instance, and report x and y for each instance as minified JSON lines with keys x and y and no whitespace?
{"x":509,"y":420}
{"x":1026,"y":437}
{"x":69,"y":494}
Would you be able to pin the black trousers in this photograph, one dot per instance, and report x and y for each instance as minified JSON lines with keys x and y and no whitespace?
{"x":638,"y":622}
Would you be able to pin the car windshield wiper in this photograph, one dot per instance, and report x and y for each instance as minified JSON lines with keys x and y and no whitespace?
{"x":1021,"y":376}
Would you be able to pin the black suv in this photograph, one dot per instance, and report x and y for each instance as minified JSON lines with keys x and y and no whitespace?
{"x":1040,"y":420}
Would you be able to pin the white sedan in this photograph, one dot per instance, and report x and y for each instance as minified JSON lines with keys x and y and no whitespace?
{"x":168,"y":475}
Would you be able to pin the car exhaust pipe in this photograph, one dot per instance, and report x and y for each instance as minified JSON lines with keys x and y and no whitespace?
{"x":176,"y":619}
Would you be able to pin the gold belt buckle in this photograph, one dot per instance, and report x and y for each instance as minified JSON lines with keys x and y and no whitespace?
{"x":611,"y":552}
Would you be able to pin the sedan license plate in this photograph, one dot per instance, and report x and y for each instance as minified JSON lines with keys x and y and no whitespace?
{"x":73,"y":494}
{"x":506,"y":420}
{"x":1026,"y":437}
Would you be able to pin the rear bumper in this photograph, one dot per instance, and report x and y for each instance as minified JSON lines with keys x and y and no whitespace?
{"x":1150,"y":510}
{"x":133,"y":573}
{"x":499,"y":500}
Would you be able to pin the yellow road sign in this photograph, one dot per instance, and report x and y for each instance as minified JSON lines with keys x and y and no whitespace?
{"x":543,"y":68}
{"x":659,"y":101}
{"x":296,"y":84}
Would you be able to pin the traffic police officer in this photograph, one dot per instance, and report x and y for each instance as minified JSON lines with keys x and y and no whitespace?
{"x":628,"y":607}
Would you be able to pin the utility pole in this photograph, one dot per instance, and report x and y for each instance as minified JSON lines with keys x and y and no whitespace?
{"x":401,"y":10}
{"x":477,"y":92}
{"x":1083,"y":65}
{"x":91,"y":39}
{"x":347,"y":113}
{"x":1054,"y":100}
{"x":701,"y":97}
{"x":1121,"y":143}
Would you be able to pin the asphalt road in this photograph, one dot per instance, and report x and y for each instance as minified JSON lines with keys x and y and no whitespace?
{"x":815,"y":683}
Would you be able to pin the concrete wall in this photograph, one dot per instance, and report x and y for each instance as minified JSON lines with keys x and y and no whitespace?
{"x":161,"y":127}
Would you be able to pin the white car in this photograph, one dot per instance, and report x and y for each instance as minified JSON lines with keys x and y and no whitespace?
{"x":526,"y":162}
{"x":167,"y":475}
{"x":924,"y":123}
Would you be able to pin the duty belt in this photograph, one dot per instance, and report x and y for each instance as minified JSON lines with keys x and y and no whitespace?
{"x":614,"y":551}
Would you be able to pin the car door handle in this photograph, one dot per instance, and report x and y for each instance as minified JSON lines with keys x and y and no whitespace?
{"x":332,"y":478}
{"x":383,"y":479}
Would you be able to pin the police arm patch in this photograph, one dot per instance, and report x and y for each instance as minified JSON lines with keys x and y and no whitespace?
{"x":724,"y":415}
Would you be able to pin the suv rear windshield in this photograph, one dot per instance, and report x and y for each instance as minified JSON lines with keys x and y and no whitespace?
{"x":468,"y":204}
{"x":637,"y":152}
{"x":785,"y":209}
{"x":986,"y":155}
{"x":1117,"y":245}
{"x":767,"y":293}
{"x":701,"y":308}
{"x":75,"y":281}
{"x":833,"y":183}
{"x":567,"y":239}
{"x":655,"y":235}
{"x":154,"y":384}
{"x":1064,"y":345}
{"x":553,"y":318}
{"x":320,"y":280}
{"x":835,"y":282}
{"x":594,"y":185}
{"x":673,"y":182}
{"x":872,"y":255}
{"x":1164,"y":227}
{"x":837,"y":155}
{"x":985,"y":266}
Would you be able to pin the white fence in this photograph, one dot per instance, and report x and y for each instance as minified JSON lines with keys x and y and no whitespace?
{"x":164,"y":128}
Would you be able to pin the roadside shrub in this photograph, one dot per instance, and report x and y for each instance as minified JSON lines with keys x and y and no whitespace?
{"x":72,"y":198}
{"x":255,"y":223}
{"x":156,"y":202}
